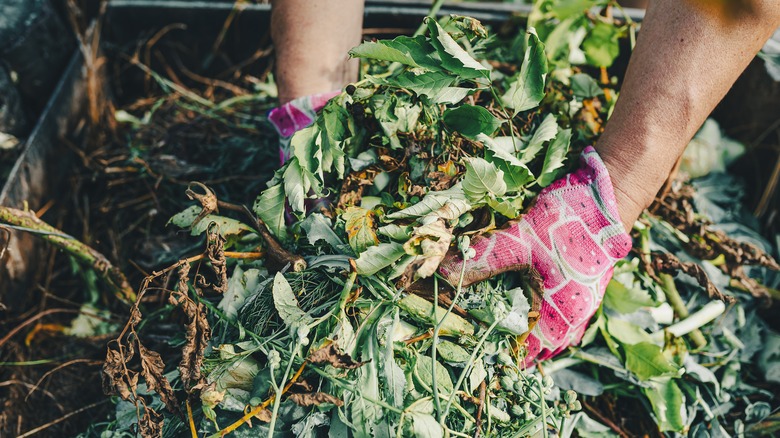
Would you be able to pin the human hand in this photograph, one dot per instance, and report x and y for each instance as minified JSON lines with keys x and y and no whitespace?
{"x":572,"y":236}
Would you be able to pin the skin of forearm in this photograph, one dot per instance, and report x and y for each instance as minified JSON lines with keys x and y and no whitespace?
{"x":311,"y":40}
{"x":688,"y":55}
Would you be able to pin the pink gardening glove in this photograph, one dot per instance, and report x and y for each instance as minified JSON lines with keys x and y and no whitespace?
{"x":296,"y":115}
{"x":572,"y":236}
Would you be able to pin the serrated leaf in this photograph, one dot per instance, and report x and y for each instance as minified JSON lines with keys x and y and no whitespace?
{"x":419,"y":48}
{"x":470,"y":121}
{"x":601,"y":46}
{"x":269,"y":207}
{"x":527,"y":88}
{"x":646,"y":360}
{"x":378,"y":257}
{"x":585,"y":87}
{"x":544,"y":133}
{"x":428,"y":84}
{"x":333,"y":124}
{"x":454,"y":58}
{"x":287,"y":305}
{"x":431,"y":202}
{"x":319,"y":228}
{"x":359,"y":225}
{"x":482,"y":178}
{"x":296,"y":185}
{"x":554,"y":158}
{"x":381,"y":51}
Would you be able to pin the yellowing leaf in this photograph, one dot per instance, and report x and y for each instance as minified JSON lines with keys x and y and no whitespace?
{"x":360,"y":228}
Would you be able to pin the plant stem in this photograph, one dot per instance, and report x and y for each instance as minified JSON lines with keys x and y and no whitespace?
{"x":677,"y":303}
{"x":111,"y":275}
{"x":702,"y":317}
{"x":279,"y":392}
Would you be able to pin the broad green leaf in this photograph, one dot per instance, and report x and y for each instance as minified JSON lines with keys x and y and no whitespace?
{"x":432,"y":201}
{"x":452,"y":352}
{"x":566,"y":8}
{"x":477,"y":375}
{"x":296,"y":185}
{"x":319,"y":228}
{"x":620,"y":298}
{"x":395,"y":231}
{"x":646,"y":360}
{"x":544,"y":133}
{"x":382,"y":52}
{"x":420,"y":49}
{"x":482,"y":178}
{"x":454,"y":58}
{"x":470,"y":121}
{"x":425,"y":372}
{"x":359,"y":225}
{"x":227,"y":226}
{"x":509,"y":207}
{"x":601,"y":45}
{"x":306,"y":150}
{"x":287,"y":305}
{"x":668,"y":403}
{"x":269,"y":207}
{"x":419,"y":425}
{"x":378,"y":257}
{"x":554,"y":158}
{"x":502,"y":154}
{"x":436,"y":86}
{"x":584,"y":86}
{"x":626,"y":332}
{"x":504,"y":150}
{"x":334,"y":130}
{"x":527,"y":88}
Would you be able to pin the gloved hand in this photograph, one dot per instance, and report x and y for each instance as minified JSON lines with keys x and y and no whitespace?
{"x":572,"y":236}
{"x":295,"y":115}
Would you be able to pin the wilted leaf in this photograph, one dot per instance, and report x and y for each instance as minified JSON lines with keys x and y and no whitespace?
{"x":333,"y":356}
{"x":430,"y":244}
{"x":197,"y":331}
{"x":319,"y":228}
{"x":153,"y":372}
{"x":359,"y":225}
{"x":314,"y":399}
{"x":624,"y":299}
{"x":527,"y":89}
{"x":516,"y":319}
{"x":241,"y":285}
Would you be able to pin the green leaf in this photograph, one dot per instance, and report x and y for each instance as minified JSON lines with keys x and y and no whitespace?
{"x":425,"y":373}
{"x":240,"y":286}
{"x":482,"y":178}
{"x":477,"y":375}
{"x":419,"y":425}
{"x":584,"y":86}
{"x":509,"y":207}
{"x":566,"y":8}
{"x":318,"y":227}
{"x":502,"y":154}
{"x":420,"y":49}
{"x":646,"y":360}
{"x":601,"y":45}
{"x":626,"y":332}
{"x":453,"y":57}
{"x":434,"y":85}
{"x":359,"y":225}
{"x":544,"y":133}
{"x":378,"y":257}
{"x":515,"y":321}
{"x":333,"y":123}
{"x":287,"y":305}
{"x":527,"y":88}
{"x":381,"y":51}
{"x":622,"y":299}
{"x":470,"y":121}
{"x":434,"y":201}
{"x":227,"y":226}
{"x":452,"y":352}
{"x":269,"y":207}
{"x":668,"y":403}
{"x":554,"y":158}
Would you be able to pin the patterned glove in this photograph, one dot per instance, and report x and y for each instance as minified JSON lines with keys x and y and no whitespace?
{"x":572,"y":236}
{"x":295,"y":115}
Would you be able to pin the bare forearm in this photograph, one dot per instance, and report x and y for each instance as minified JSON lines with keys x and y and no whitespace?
{"x":311,"y":39}
{"x":688,"y":55}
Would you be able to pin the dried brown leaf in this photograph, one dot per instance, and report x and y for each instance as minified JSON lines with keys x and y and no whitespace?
{"x":314,"y":399}
{"x":332,"y":355}
{"x":150,"y":424}
{"x":669,"y":264}
{"x":152,"y":370}
{"x":117,"y":379}
{"x":216,"y":253}
{"x":197,"y":332}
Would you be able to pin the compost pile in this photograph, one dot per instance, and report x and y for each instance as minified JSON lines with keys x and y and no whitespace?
{"x":318,"y":311}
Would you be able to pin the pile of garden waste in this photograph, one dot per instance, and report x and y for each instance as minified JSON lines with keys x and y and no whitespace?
{"x":318,"y":312}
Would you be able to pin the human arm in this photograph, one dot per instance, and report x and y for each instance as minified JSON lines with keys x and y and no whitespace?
{"x":688,"y":55}
{"x":312,"y":39}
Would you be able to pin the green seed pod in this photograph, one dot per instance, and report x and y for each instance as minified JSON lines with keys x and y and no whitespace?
{"x":504,"y":359}
{"x":532,"y":395}
{"x":548,"y":382}
{"x":577,"y":406}
{"x":517,"y":411}
{"x":570,"y":396}
{"x":519,"y":387}
{"x":507,"y":383}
